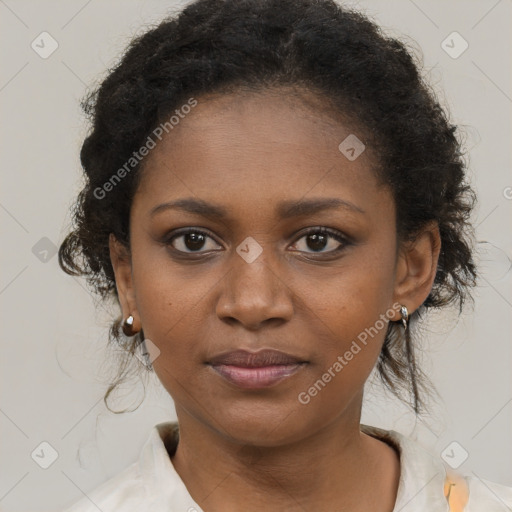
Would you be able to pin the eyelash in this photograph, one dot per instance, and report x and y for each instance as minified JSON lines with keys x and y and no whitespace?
{"x":313,"y":230}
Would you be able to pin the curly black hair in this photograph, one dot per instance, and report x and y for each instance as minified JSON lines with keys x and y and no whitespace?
{"x":317,"y":46}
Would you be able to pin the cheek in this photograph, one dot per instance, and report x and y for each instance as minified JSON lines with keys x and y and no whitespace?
{"x":171,"y":303}
{"x":169,"y":306}
{"x":355,"y":295}
{"x":352,"y":308}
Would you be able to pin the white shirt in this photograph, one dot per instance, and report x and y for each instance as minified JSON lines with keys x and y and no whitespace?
{"x":152,"y":484}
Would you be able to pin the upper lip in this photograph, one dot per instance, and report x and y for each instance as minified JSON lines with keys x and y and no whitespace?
{"x":244,"y":358}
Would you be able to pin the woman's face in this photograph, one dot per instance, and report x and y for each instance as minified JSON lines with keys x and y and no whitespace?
{"x":257,"y":172}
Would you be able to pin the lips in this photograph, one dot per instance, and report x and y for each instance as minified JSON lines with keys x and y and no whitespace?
{"x":246,"y":359}
{"x":252,"y":370}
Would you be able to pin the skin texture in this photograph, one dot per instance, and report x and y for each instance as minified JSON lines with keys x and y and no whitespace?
{"x":249,"y":449}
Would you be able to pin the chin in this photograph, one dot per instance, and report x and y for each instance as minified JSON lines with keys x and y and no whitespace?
{"x":264,"y":426}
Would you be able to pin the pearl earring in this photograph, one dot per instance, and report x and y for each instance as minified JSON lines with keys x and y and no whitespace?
{"x":405,"y":316}
{"x":128,"y":325}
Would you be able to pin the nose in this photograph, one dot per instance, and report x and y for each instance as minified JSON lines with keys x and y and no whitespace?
{"x":254,"y":294}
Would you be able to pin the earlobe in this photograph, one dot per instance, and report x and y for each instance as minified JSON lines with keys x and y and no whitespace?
{"x":417,"y":267}
{"x":121,"y":263}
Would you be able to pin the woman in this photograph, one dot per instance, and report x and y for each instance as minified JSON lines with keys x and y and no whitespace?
{"x":274,"y":197}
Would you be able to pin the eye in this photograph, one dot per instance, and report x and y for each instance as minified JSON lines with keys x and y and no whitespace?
{"x":317,"y":239}
{"x":192,"y":240}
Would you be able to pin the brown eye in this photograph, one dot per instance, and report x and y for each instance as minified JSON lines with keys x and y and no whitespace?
{"x":192,"y":241}
{"x":319,"y":239}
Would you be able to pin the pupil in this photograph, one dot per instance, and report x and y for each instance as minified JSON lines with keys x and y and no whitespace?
{"x":194,"y":241}
{"x":318,"y":241}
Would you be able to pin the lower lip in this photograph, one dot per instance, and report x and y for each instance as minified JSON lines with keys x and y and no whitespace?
{"x":254,"y":378}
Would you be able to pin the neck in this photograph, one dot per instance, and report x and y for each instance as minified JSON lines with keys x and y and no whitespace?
{"x":336,"y":464}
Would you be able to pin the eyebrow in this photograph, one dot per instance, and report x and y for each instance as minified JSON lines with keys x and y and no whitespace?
{"x":285,"y":209}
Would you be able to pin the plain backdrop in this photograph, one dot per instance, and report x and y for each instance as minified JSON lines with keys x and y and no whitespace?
{"x":53,"y":360}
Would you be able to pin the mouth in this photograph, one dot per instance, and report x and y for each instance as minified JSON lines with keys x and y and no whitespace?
{"x":254,"y":370}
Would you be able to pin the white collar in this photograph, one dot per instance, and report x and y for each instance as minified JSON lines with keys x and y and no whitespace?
{"x":422,"y":476}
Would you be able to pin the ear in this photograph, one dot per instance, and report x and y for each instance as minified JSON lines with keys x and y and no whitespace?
{"x":417,"y":267}
{"x":121,"y":263}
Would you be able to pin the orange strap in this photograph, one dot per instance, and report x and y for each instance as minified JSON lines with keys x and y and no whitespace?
{"x":456,"y":492}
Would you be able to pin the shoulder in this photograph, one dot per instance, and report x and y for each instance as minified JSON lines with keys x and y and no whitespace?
{"x":427,"y":483}
{"x":486,"y":496}
{"x":150,"y":483}
{"x":125,"y":492}
{"x":473,"y":494}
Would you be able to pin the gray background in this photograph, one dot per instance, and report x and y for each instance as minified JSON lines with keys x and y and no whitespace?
{"x":54,"y":365}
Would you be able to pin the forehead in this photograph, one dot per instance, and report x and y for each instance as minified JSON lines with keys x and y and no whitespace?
{"x":257,"y":149}
{"x":273,"y":118}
